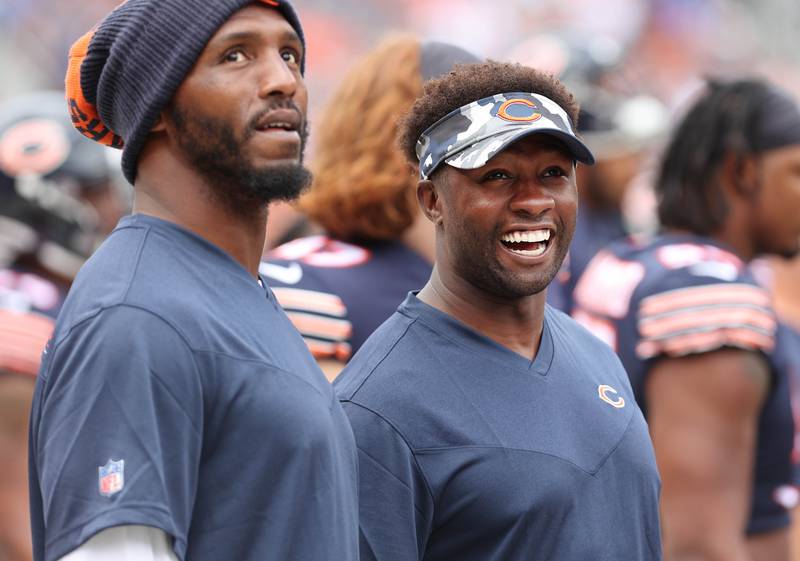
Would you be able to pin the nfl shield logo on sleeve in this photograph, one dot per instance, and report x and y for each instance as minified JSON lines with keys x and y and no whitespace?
{"x":111,"y":477}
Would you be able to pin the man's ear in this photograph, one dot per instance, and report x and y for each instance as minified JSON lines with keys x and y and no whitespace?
{"x":741,"y":172}
{"x":161,"y":123}
{"x":429,"y":201}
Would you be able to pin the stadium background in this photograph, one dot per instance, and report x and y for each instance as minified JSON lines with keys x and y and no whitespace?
{"x":668,"y":42}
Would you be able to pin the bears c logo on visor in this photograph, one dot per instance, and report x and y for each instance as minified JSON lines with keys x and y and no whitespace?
{"x":519,"y":110}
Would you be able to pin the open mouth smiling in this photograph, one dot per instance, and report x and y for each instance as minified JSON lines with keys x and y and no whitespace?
{"x":528,"y":243}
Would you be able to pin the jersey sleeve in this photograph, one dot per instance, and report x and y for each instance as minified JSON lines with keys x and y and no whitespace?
{"x":116,"y":432}
{"x":316,"y":312}
{"x":395,"y":504}
{"x":695,"y":314}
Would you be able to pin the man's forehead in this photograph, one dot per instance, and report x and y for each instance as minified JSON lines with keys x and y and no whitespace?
{"x":540,"y":142}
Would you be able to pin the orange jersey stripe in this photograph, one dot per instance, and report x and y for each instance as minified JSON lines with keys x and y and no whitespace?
{"x":318,"y":326}
{"x":709,"y":294}
{"x":310,"y":301}
{"x":706,"y":319}
{"x":322,"y":349}
{"x":22,"y":339}
{"x":696,"y":343}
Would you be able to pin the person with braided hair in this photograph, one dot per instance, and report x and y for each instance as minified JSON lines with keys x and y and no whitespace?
{"x":697,"y":334}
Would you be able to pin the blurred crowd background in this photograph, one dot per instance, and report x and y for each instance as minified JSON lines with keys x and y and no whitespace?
{"x":633,"y":63}
{"x":656,"y":48}
{"x":662,"y":45}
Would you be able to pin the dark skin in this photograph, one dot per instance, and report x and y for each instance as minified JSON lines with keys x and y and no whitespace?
{"x":704,"y":409}
{"x":530,"y":186}
{"x":253,"y":59}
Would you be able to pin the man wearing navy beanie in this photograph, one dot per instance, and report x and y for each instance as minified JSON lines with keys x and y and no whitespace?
{"x":178,"y":414}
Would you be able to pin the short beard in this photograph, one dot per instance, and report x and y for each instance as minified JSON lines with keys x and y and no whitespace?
{"x":478,"y":264}
{"x":213,"y":149}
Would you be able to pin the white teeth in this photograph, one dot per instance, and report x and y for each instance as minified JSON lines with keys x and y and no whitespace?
{"x":285,"y":126}
{"x":527,"y":236}
{"x":531,"y":252}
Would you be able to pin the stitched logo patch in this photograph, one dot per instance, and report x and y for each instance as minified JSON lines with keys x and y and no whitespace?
{"x":111,"y":477}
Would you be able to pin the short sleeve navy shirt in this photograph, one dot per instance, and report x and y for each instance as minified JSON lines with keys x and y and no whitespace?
{"x":176,"y":394}
{"x":470,"y":451}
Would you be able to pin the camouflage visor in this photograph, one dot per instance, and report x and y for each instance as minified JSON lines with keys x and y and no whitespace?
{"x":470,"y":136}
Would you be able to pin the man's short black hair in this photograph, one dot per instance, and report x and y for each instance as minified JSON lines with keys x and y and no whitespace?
{"x":471,"y":82}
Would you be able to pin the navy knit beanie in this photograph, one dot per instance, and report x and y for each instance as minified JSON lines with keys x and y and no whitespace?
{"x":123,"y":72}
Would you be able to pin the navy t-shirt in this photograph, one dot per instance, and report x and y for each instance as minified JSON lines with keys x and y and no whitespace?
{"x":470,"y":451}
{"x":176,"y":394}
{"x":680,"y":295}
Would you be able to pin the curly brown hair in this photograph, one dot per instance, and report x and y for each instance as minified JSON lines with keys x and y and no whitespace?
{"x":471,"y":82}
{"x":363,"y":186}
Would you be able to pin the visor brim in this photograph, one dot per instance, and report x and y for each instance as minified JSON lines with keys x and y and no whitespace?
{"x":478,"y":154}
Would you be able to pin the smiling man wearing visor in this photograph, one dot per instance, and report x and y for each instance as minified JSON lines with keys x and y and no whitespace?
{"x":489,"y":425}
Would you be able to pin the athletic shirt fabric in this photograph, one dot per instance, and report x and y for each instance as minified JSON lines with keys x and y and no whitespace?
{"x":470,"y":451}
{"x":679,"y":295}
{"x":176,"y":394}
{"x":338,"y":293}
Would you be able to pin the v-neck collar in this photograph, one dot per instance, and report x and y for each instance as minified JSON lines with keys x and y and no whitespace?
{"x":461,"y":334}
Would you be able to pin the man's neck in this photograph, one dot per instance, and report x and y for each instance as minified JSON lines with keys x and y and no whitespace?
{"x":513,"y":323}
{"x":187,"y":202}
{"x":420,"y":238}
{"x":732,"y":236}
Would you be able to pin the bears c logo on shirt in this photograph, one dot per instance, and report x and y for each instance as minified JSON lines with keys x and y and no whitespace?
{"x":605,"y":394}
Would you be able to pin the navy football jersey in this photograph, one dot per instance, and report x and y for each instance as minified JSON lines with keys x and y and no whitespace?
{"x":338,"y":293}
{"x":787,"y":359}
{"x":176,"y":394}
{"x":469,"y":451}
{"x":679,"y":295}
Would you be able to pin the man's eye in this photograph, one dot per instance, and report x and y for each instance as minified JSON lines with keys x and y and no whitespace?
{"x":496,"y":174}
{"x":555,"y":171}
{"x":291,"y":57}
{"x":234,"y":56}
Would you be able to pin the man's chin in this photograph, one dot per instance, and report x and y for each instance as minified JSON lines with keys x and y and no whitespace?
{"x":277,"y":181}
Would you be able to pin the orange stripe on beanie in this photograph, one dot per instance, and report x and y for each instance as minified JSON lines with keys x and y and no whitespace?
{"x":124,"y":72}
{"x":85,"y":117}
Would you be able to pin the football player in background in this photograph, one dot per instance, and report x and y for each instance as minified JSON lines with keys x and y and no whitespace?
{"x":58,"y":196}
{"x":23,"y":335}
{"x":339,"y":286}
{"x":697,"y":334}
{"x":60,"y":193}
